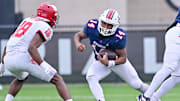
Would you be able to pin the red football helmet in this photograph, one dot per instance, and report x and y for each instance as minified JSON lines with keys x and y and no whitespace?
{"x":48,"y":11}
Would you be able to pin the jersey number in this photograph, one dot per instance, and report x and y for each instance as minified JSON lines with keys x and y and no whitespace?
{"x":22,"y":29}
{"x":120,"y":35}
{"x":92,"y":23}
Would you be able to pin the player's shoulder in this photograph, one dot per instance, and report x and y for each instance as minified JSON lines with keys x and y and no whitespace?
{"x":92,"y":23}
{"x":120,"y":34}
{"x":38,"y":21}
{"x":120,"y":31}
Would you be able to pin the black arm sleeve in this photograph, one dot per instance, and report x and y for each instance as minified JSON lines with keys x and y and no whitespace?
{"x":41,"y":35}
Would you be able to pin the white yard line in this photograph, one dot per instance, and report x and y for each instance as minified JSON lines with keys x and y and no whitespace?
{"x":44,"y":98}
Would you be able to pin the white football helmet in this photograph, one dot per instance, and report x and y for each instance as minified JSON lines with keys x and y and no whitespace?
{"x":109,"y":16}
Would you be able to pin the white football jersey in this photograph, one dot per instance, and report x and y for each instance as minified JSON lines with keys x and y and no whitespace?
{"x":21,"y":38}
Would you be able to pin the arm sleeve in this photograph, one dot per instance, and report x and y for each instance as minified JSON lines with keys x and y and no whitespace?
{"x":41,"y":35}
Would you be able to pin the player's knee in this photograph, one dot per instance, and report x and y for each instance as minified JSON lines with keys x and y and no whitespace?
{"x":57,"y":78}
{"x":170,"y":67}
{"x":90,"y":78}
{"x":24,"y":79}
{"x":20,"y":80}
{"x":135,"y":84}
{"x":139,"y":86}
{"x":176,"y":79}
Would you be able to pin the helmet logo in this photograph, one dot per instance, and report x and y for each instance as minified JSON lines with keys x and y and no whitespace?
{"x":45,"y":15}
{"x":110,"y":14}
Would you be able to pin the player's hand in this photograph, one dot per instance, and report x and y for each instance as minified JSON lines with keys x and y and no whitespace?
{"x":104,"y":60}
{"x":2,"y":69}
{"x":80,"y":47}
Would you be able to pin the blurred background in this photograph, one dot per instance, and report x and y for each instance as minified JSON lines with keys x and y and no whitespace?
{"x":145,"y":22}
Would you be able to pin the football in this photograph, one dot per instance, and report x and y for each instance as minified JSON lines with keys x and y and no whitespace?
{"x":111,"y":54}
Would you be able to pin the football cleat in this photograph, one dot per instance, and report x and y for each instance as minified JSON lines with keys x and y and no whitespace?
{"x":142,"y":98}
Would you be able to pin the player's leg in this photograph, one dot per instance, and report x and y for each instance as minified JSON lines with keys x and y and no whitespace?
{"x":96,"y":72}
{"x":16,"y":84}
{"x":127,"y":73}
{"x":172,"y":81}
{"x":171,"y":60}
{"x":49,"y":74}
{"x":166,"y":87}
{"x":12,"y":64}
{"x":14,"y":88}
{"x":157,"y":80}
{"x":62,"y":89}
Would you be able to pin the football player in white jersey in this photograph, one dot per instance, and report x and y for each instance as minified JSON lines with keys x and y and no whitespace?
{"x":170,"y":68}
{"x":22,"y":58}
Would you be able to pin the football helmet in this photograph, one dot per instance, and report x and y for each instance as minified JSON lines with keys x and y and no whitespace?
{"x":48,"y":11}
{"x":109,"y":16}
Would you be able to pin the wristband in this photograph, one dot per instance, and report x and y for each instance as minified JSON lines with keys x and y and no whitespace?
{"x":48,"y":68}
{"x":44,"y":64}
{"x":111,"y":63}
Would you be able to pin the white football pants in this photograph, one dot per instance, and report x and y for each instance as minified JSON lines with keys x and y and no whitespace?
{"x":172,"y":53}
{"x":21,"y":65}
{"x":98,"y":71}
{"x":171,"y":63}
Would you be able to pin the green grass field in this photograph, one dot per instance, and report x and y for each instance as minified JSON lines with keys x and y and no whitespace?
{"x":81,"y":92}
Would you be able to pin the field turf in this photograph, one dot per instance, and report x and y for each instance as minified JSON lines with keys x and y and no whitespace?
{"x":81,"y":92}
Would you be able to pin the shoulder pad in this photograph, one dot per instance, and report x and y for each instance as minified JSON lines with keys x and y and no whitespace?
{"x":120,"y":33}
{"x":92,"y":23}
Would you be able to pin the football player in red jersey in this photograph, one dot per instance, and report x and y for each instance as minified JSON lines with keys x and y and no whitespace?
{"x":22,"y":58}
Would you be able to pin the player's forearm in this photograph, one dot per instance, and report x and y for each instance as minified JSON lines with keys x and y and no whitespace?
{"x":120,"y":60}
{"x":35,"y":55}
{"x":77,"y":38}
{"x":121,"y":56}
